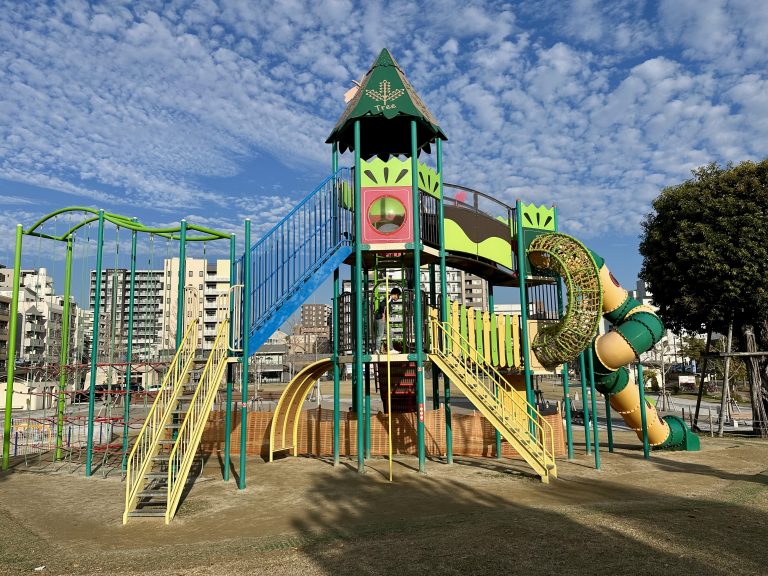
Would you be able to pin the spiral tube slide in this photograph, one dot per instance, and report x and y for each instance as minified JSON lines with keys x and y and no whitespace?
{"x":637,"y":329}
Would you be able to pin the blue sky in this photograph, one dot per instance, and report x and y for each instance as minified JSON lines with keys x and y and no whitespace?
{"x":216,"y":111}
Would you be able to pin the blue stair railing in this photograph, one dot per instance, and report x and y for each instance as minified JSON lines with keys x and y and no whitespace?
{"x":291,"y":260}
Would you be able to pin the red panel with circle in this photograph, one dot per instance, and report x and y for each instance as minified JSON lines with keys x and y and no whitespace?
{"x":387,"y":215}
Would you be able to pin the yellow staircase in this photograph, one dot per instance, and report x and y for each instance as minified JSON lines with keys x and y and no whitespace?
{"x":518,"y":421}
{"x":156,"y":478}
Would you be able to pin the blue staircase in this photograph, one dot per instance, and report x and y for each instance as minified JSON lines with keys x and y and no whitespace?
{"x":297,"y":255}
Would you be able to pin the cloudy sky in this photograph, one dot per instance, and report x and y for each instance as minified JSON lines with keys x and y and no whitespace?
{"x":217,"y":110}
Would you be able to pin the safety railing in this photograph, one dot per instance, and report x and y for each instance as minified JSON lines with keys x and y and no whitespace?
{"x":148,"y":441}
{"x":522,"y":419}
{"x":289,"y":254}
{"x":191,"y":431}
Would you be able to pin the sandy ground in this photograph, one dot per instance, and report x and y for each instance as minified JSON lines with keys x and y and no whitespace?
{"x":679,"y":513}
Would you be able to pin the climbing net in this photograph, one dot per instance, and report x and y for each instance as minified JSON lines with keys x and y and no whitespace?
{"x":567,"y":257}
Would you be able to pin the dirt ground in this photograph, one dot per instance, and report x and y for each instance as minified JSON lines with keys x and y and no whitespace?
{"x":679,"y":513}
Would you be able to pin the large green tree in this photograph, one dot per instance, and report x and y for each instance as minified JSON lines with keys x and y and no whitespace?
{"x":705,"y":250}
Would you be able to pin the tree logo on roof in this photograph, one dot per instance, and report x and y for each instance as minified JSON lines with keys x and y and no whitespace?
{"x":385,"y":95}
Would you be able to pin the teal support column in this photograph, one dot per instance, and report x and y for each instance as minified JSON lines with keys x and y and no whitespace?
{"x":566,"y":384}
{"x":336,"y":375}
{"x":435,"y":371}
{"x":523,"y":306}
{"x":491,"y":308}
{"x":182,"y":282}
{"x":418,"y":318}
{"x":643,"y":417}
{"x":11,"y":362}
{"x":444,"y":302}
{"x":609,"y":424}
{"x":230,"y":366}
{"x":358,"y":298}
{"x":129,"y":349}
{"x":593,"y":394}
{"x":585,"y":406}
{"x":64,"y":354}
{"x":94,"y":346}
{"x":567,"y":409}
{"x":367,"y":410}
{"x":247,"y":294}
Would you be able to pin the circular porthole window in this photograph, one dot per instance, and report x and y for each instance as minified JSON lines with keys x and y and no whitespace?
{"x":386,"y":215}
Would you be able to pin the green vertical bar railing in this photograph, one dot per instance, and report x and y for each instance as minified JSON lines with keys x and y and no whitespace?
{"x":246,"y":322}
{"x":444,"y":303}
{"x":129,"y":350}
{"x":358,"y":298}
{"x":94,"y":346}
{"x":593,"y":394}
{"x":584,"y":405}
{"x":11,"y":362}
{"x":64,"y":353}
{"x":367,"y":410}
{"x":643,"y":417}
{"x":230,"y":366}
{"x":417,"y":312}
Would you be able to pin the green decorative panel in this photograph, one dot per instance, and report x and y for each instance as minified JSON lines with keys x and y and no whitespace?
{"x":429,"y":180}
{"x":393,"y":172}
{"x":538,"y":217}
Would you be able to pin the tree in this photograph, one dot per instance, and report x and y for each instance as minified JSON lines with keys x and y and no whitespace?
{"x":705,"y":250}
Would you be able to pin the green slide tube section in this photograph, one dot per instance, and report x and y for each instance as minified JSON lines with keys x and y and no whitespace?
{"x":680,"y":436}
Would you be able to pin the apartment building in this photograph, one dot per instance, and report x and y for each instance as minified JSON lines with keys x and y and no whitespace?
{"x":114,"y":312}
{"x":206,"y":297}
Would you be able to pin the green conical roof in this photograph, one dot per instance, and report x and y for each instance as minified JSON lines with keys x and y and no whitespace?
{"x":385,"y":104}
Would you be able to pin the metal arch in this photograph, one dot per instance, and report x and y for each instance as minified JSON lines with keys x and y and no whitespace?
{"x":171,"y":232}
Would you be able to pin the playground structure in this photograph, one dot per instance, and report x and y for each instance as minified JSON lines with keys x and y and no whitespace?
{"x":390,"y":217}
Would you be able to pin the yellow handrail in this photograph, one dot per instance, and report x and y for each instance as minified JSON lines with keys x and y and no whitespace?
{"x":450,"y":338}
{"x":191,"y":430}
{"x":147,"y":442}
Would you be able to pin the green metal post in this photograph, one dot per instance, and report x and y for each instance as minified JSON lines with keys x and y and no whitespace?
{"x":129,"y":350}
{"x":491,"y":308}
{"x":230,"y":366}
{"x":609,"y":424}
{"x":247,"y":280}
{"x":182,"y":282}
{"x":11,"y":362}
{"x":64,"y":354}
{"x":367,"y":410}
{"x":566,"y":384}
{"x":358,"y":289}
{"x":523,"y":304}
{"x":643,"y":417}
{"x":435,"y":371}
{"x":585,"y":406}
{"x":417,"y":312}
{"x":94,"y":346}
{"x":444,"y":303}
{"x":593,"y":393}
{"x":336,"y":375}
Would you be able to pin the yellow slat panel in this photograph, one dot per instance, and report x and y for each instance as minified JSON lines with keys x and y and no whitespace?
{"x":487,"y":336}
{"x":516,"y":345}
{"x":471,"y":332}
{"x":500,"y":340}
